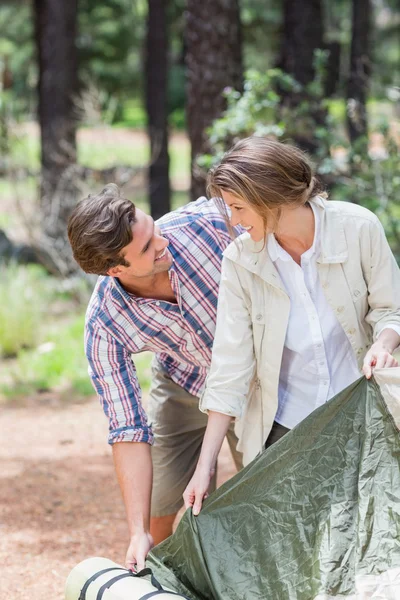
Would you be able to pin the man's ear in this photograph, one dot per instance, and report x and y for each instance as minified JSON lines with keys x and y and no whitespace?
{"x":114,"y":271}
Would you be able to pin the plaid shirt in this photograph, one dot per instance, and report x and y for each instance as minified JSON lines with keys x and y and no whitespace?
{"x":119,"y":324}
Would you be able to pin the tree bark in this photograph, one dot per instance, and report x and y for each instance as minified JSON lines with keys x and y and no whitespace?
{"x":360,"y":69}
{"x":214,"y":62}
{"x":333,"y":68}
{"x":157,"y":107}
{"x":302,"y":35}
{"x":55,"y":34}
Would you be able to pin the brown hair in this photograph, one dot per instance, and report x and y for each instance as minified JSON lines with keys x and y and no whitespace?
{"x":99,"y":227}
{"x":269,"y":175}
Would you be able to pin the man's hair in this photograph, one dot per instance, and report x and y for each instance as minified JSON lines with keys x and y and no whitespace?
{"x":99,"y":227}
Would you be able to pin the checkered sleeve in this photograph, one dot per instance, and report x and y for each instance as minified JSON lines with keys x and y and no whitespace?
{"x":114,"y":378}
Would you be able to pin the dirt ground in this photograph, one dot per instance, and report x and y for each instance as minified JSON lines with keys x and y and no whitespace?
{"x":59,"y":499}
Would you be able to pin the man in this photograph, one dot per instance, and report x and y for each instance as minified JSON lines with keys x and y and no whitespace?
{"x":157,"y":291}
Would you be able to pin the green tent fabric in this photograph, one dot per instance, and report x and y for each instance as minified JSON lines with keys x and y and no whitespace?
{"x":314,"y":517}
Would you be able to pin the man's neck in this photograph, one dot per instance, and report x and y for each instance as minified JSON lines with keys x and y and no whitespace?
{"x":157,"y":287}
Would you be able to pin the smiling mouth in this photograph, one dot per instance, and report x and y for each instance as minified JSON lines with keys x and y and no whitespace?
{"x":248,"y":228}
{"x":163,"y":253}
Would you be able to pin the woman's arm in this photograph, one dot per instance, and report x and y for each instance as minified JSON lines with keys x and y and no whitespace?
{"x":197,"y":489}
{"x":227,"y":387}
{"x":383,"y":280}
{"x":382,"y":276}
{"x":233,"y":362}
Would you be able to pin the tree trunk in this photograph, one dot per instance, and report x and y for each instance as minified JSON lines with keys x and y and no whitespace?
{"x":157,"y":107}
{"x":55,"y":33}
{"x":214,"y":62}
{"x":360,"y":67}
{"x":302,"y":35}
{"x":333,"y":68}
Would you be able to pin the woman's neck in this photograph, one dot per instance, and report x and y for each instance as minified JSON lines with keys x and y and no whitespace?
{"x":296,"y":230}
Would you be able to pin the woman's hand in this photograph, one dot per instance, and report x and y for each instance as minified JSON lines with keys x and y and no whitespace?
{"x":197,"y":488}
{"x":378,"y":356}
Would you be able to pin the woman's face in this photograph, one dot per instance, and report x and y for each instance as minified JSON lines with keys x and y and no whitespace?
{"x":243,"y":214}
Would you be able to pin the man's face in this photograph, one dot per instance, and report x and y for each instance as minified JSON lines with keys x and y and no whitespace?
{"x":147,"y":253}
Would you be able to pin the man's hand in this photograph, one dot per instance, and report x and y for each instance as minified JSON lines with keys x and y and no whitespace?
{"x":197,"y":489}
{"x":378,"y":356}
{"x":140,"y":546}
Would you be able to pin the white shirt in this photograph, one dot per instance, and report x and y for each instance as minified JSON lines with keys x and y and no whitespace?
{"x":318,"y":361}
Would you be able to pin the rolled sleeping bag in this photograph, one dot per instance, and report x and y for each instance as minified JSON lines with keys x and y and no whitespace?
{"x":102,"y":579}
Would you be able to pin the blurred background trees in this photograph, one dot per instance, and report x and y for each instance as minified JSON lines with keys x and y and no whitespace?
{"x":214,"y":62}
{"x":149,"y":94}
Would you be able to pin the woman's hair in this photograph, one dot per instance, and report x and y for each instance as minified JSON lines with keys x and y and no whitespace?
{"x":269,"y":175}
{"x":99,"y":228}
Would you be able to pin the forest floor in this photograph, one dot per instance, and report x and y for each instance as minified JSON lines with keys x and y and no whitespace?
{"x":59,"y":498}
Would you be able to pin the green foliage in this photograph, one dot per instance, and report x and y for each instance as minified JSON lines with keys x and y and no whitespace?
{"x":370,"y":177}
{"x":17,"y":48}
{"x":133,"y":115}
{"x":261,"y":31}
{"x":257,"y":111}
{"x":23,"y":292}
{"x":109,"y":43}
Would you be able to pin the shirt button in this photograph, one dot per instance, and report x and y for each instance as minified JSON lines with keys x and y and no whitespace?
{"x":258,"y":317}
{"x":198,"y":331}
{"x":157,"y":303}
{"x":340,"y":309}
{"x":351,"y":331}
{"x":357,"y":292}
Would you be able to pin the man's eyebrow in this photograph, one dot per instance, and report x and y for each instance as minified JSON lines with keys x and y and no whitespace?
{"x":147,"y":244}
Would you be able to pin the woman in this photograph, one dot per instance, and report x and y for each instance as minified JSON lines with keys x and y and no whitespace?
{"x":309,"y":299}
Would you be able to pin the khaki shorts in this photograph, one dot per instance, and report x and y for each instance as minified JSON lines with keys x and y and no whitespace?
{"x":178,"y":427}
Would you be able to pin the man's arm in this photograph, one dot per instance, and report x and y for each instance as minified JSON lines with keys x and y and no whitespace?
{"x":114,"y":378}
{"x":134,"y":469}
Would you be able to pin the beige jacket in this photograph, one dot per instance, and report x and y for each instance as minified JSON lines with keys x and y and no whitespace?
{"x":361,"y":281}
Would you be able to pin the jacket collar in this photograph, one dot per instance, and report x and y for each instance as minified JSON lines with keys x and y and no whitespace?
{"x":254,"y":256}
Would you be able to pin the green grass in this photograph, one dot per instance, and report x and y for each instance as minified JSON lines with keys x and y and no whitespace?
{"x":109,"y":148}
{"x":25,"y":151}
{"x":41,"y":329}
{"x":23,"y":293}
{"x":108,"y":151}
{"x":59,"y":364}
